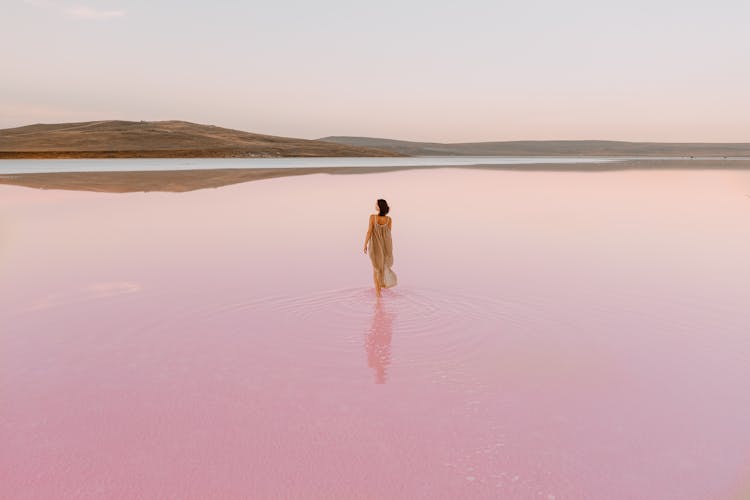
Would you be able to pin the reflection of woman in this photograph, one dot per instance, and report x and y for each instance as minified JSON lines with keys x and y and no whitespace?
{"x":381,"y":247}
{"x":378,"y":342}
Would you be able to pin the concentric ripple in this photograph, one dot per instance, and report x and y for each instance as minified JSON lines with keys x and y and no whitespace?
{"x":426,"y":327}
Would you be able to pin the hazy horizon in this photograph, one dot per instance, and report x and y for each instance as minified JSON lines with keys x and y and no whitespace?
{"x":420,"y":71}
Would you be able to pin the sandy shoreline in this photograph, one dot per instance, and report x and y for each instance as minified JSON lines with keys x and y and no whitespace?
{"x":190,"y":180}
{"x":147,"y":154}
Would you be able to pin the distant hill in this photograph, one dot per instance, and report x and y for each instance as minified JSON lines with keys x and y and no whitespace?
{"x":546,"y":148}
{"x":160,"y":139}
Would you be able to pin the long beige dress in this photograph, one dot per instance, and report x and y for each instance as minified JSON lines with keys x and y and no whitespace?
{"x":381,"y":254}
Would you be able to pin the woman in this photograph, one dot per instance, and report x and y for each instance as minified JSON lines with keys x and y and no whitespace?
{"x":381,"y":247}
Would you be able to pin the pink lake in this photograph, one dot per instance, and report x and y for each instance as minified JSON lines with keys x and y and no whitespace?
{"x":554,"y":335}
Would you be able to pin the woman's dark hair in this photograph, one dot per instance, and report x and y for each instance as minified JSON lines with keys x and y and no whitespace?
{"x":383,"y":206}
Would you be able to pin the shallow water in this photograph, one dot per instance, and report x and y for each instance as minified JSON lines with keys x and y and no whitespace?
{"x":553,"y":335}
{"x":161,"y":164}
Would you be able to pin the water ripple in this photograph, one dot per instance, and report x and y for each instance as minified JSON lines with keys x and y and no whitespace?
{"x":434,"y":328}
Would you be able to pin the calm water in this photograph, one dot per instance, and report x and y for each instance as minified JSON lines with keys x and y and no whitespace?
{"x":138,"y":164}
{"x":553,"y":335}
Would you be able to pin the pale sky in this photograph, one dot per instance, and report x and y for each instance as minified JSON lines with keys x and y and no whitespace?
{"x":469,"y":70}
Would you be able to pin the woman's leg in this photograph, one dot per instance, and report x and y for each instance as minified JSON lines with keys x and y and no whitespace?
{"x":377,"y":282}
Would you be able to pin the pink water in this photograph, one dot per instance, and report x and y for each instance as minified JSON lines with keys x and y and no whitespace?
{"x":553,"y":335}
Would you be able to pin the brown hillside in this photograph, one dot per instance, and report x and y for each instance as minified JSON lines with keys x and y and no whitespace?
{"x":125,"y":139}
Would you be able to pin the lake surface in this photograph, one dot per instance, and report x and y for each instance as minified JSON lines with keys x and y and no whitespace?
{"x":140,"y":164}
{"x":559,"y":335}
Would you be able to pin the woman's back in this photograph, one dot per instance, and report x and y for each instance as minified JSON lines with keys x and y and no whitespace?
{"x":382,"y":220}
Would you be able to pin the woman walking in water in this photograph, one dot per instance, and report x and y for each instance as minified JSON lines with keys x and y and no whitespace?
{"x":381,"y":247}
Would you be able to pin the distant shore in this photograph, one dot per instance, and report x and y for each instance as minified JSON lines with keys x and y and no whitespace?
{"x":190,"y":180}
{"x":181,"y":139}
